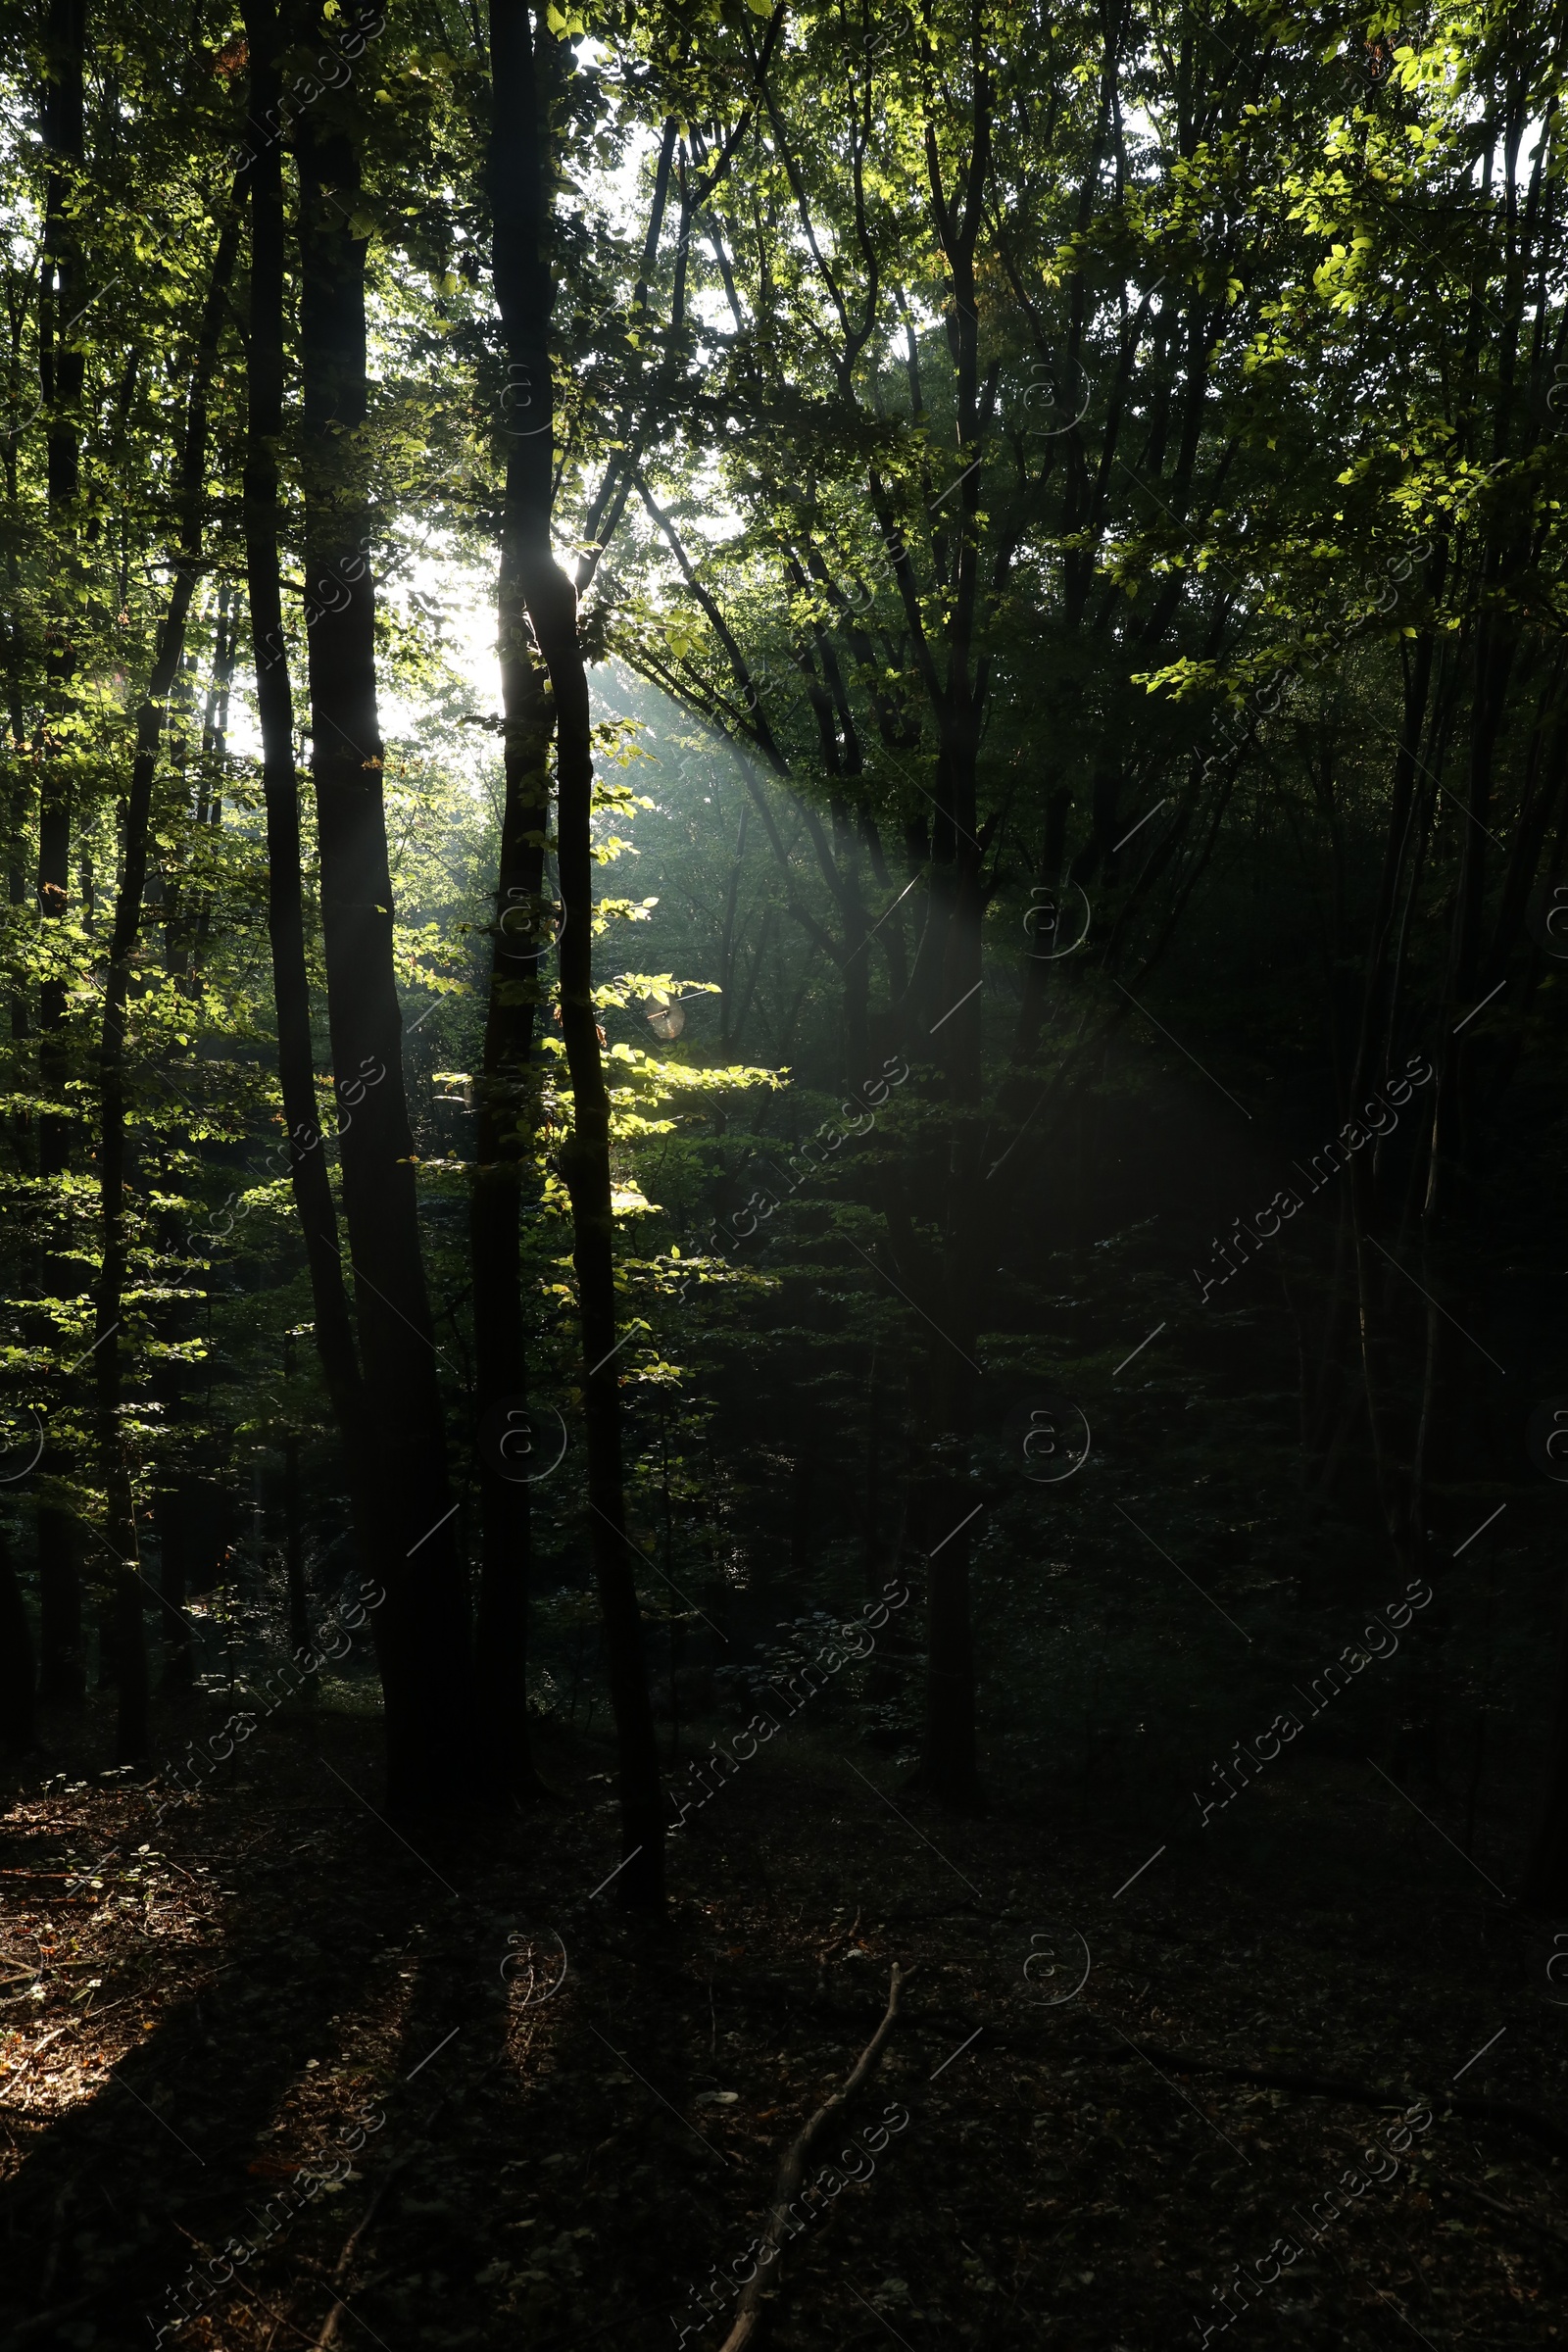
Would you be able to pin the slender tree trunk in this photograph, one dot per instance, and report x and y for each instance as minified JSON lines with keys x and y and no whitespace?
{"x":506,"y":1126}
{"x":857,"y":967}
{"x":729,"y":1009}
{"x":1053,"y":928}
{"x":18,"y":1724}
{"x":16,"y":891}
{"x":523,"y":295}
{"x":193,"y":951}
{"x":172,"y":1584}
{"x":275,"y":704}
{"x":803,"y":1485}
{"x":299,"y":1599}
{"x":130,"y":1646}
{"x":63,"y":367}
{"x":1543,"y":1886}
{"x":669,"y":1578}
{"x":63,"y":1677}
{"x":948,"y":1766}
{"x":423,"y":1630}
{"x":957,"y":696}
{"x":62,"y":370}
{"x":871,"y":1548}
{"x":107,"y":1599}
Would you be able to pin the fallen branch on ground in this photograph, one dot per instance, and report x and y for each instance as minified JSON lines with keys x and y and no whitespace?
{"x":790,"y":2173}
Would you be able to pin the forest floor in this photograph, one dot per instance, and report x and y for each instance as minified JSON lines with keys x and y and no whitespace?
{"x":569,"y":2120}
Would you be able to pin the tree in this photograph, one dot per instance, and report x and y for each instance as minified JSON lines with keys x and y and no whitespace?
{"x":130,"y":1638}
{"x":425,"y":1638}
{"x":262,"y":173}
{"x":62,"y":365}
{"x":523,"y":298}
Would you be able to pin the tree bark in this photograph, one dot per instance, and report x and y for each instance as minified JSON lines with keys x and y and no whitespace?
{"x":63,"y":367}
{"x":130,"y":1646}
{"x":173,"y":1585}
{"x":295,"y":1587}
{"x":274,"y":705}
{"x":18,"y":1719}
{"x":525,"y":296}
{"x":62,"y":1675}
{"x":1543,"y":1886}
{"x":62,"y":371}
{"x":424,"y":1629}
{"x":508,"y":1108}
{"x":947,"y":1767}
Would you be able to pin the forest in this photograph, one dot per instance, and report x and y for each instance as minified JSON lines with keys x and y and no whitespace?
{"x":785,"y":809}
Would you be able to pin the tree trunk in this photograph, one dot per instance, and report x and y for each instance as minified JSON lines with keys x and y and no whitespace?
{"x":425,"y":1627}
{"x":131,"y":1648}
{"x":295,"y":1585}
{"x":62,"y":372}
{"x":948,"y":1751}
{"x":871,"y":1544}
{"x":507,"y":1104}
{"x":275,"y":704}
{"x":63,"y":369}
{"x":802,"y":1512}
{"x":18,"y":1722}
{"x":172,"y":1584}
{"x":523,"y":295}
{"x":64,"y":1674}
{"x":1543,"y":1886}
{"x":299,"y":1598}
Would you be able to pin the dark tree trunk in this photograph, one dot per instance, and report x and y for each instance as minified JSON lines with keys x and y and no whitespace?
{"x":948,"y":1755}
{"x":871,"y":1549}
{"x":299,"y":1598}
{"x":62,"y":370}
{"x":64,"y":1674}
{"x":192,"y":938}
{"x":506,"y":1106}
{"x":61,"y":121}
{"x":946,"y":1001}
{"x":173,"y":1548}
{"x":801,"y":1514}
{"x":1543,"y":1886}
{"x":131,"y":1648}
{"x":523,"y":295}
{"x":18,"y":1721}
{"x":275,"y":703}
{"x":424,"y":1629}
{"x":1049,"y":928}
{"x":106,"y":1598}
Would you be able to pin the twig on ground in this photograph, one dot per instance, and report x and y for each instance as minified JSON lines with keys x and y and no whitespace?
{"x":345,"y":2261}
{"x":327,"y":2332}
{"x":748,"y":2310}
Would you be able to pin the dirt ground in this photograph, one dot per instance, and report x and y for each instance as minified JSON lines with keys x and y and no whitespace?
{"x":455,"y":2098}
